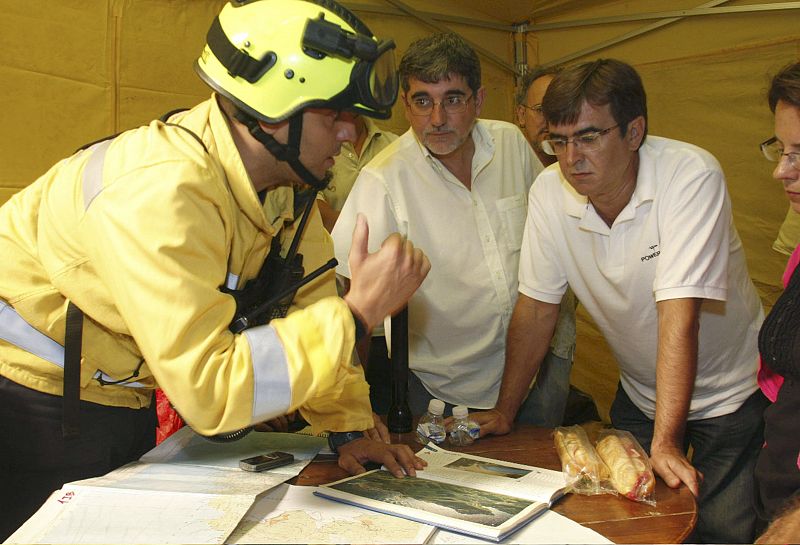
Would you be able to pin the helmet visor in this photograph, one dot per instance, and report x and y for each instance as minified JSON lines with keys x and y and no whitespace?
{"x":373,"y":85}
{"x":381,"y":80}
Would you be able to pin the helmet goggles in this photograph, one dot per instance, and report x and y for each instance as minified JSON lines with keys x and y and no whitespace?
{"x":373,"y":83}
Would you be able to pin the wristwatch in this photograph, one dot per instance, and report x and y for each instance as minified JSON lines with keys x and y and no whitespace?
{"x":337,"y":439}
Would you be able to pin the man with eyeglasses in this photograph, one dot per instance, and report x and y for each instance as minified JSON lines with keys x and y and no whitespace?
{"x":457,"y":185}
{"x":578,"y":406}
{"x":529,"y":108}
{"x":641,"y":230}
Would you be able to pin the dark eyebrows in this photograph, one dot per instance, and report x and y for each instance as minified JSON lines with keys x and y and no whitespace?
{"x":448,"y":93}
{"x":557,"y":136}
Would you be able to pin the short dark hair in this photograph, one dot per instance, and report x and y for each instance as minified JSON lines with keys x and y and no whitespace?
{"x":785,"y":86}
{"x":532,"y":75}
{"x":601,"y":82}
{"x":440,"y":56}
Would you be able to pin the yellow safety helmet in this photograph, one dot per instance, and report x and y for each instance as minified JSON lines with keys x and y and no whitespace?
{"x":274,"y":58}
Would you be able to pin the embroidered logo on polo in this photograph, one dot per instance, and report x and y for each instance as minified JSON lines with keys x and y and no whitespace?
{"x":652,"y":255}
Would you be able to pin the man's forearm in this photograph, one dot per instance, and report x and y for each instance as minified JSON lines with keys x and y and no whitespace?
{"x":527,"y":343}
{"x":676,"y":369}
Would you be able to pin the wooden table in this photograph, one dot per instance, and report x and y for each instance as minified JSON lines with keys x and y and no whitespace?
{"x":619,"y":519}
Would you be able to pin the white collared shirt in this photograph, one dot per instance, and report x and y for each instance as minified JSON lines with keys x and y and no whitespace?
{"x":459,"y":317}
{"x":674,"y":239}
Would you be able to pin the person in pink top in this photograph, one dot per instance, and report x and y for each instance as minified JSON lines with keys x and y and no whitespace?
{"x":778,"y":467}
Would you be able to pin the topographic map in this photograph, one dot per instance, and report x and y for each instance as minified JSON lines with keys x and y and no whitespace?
{"x":186,"y":490}
{"x":186,"y":479}
{"x":292,"y":514}
{"x":102,"y":515}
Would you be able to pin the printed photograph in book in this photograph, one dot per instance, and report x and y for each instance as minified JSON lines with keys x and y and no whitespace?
{"x":449,"y":500}
{"x":488,"y":467}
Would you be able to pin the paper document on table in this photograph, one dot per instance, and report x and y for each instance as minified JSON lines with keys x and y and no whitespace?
{"x":186,"y":490}
{"x":106,"y":515}
{"x":186,"y":479}
{"x":550,"y":527}
{"x":292,"y":514}
{"x":519,"y":480}
{"x":187,"y":447}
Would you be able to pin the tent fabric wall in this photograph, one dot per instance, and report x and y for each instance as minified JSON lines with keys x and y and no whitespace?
{"x":49,"y":90}
{"x":77,"y":70}
{"x":74,"y":71}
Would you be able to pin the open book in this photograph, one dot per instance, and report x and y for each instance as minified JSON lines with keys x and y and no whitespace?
{"x":462,"y":493}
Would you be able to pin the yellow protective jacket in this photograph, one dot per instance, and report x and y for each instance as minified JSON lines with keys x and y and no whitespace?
{"x":142,"y":247}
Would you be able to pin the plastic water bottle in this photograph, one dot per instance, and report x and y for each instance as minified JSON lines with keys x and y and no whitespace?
{"x":463,"y":431}
{"x":431,"y":424}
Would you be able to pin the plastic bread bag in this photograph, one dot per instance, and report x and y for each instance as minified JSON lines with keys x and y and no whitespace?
{"x":583,"y":469}
{"x":631,"y":472}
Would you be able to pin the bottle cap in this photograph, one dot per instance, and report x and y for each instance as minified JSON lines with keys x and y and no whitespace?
{"x":460,"y":411}
{"x":436,"y":406}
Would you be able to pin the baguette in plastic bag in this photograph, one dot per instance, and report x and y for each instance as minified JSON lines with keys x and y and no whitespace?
{"x":631,"y":472}
{"x":583,"y":469}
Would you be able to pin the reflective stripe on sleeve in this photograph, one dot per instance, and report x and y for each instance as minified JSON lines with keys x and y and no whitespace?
{"x":93,"y":172}
{"x":272,"y":392}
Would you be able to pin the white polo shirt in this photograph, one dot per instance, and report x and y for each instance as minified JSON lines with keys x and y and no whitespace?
{"x":459,"y":317}
{"x":674,"y":239}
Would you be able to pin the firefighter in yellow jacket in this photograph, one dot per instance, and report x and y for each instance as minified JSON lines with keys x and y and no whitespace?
{"x":148,"y":237}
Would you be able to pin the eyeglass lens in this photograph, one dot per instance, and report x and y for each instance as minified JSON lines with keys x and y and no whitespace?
{"x":589,"y":141}
{"x":453,"y":104}
{"x":773,"y":151}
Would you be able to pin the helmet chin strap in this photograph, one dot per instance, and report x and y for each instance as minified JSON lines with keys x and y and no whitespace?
{"x":289,"y":152}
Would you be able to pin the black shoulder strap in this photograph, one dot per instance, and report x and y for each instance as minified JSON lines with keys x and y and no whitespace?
{"x":73,"y":342}
{"x":165,"y":120}
{"x":194,"y":135}
{"x":73,"y":337}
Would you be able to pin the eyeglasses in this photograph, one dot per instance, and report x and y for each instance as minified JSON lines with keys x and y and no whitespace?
{"x":452,"y":104}
{"x":535,"y":108}
{"x":773,"y":151}
{"x":588,"y":141}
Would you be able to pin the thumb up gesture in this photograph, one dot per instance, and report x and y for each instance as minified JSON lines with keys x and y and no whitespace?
{"x":381,"y":283}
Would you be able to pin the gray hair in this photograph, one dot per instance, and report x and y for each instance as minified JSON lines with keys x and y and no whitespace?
{"x":440,"y":56}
